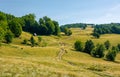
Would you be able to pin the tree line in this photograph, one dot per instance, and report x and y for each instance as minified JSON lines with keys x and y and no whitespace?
{"x":66,"y":28}
{"x":98,"y":50}
{"x":106,"y":29}
{"x":12,"y":27}
{"x":76,"y":25}
{"x":45,"y":25}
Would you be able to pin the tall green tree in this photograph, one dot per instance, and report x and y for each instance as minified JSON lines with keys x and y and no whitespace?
{"x":9,"y":17}
{"x":15,"y":28}
{"x":89,"y":45}
{"x":107,"y":44}
{"x":67,"y":31}
{"x":111,"y":55}
{"x":57,"y":28}
{"x":3,"y":21}
{"x":51,"y":27}
{"x":42,"y":28}
{"x":98,"y":51}
{"x":118,"y":46}
{"x":46,"y":19}
{"x":96,"y":35}
{"x":78,"y":45}
{"x":29,"y":21}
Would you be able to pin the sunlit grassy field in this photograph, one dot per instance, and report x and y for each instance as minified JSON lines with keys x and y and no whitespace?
{"x":17,"y":60}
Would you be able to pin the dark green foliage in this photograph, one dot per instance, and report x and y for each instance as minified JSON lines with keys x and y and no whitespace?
{"x":78,"y":46}
{"x":118,"y":46}
{"x":107,"y":44}
{"x":9,"y":25}
{"x":57,"y":28}
{"x":9,"y":37}
{"x":51,"y":27}
{"x":84,"y":27}
{"x":107,"y":28}
{"x":115,"y":48}
{"x":32,"y":40}
{"x":24,"y":41}
{"x":29,"y":21}
{"x":111,"y":54}
{"x":89,"y":45}
{"x":67,"y":31}
{"x":2,"y":34}
{"x":98,"y":51}
{"x":75,"y":25}
{"x":48,"y":27}
{"x":15,"y":27}
{"x":116,"y":29}
{"x":3,"y":26}
{"x":3,"y":21}
{"x":96,"y":35}
{"x":2,"y":16}
{"x":43,"y":29}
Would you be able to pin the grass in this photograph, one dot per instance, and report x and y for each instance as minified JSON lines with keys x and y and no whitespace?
{"x":17,"y":60}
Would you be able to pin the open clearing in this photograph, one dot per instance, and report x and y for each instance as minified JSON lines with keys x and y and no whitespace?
{"x":17,"y":60}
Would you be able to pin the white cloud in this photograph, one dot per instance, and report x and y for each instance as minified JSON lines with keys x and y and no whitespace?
{"x":111,"y":15}
{"x":108,"y":16}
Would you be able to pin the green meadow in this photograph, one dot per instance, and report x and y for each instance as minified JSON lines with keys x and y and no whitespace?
{"x":18,"y":60}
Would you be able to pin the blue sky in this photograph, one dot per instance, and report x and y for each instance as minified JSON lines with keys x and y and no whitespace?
{"x":66,"y":11}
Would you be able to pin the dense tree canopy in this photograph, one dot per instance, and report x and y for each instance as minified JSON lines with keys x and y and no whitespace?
{"x":15,"y":28}
{"x":107,"y":44}
{"x":75,"y":25}
{"x":89,"y":45}
{"x":10,"y":23}
{"x":2,"y":34}
{"x":48,"y":26}
{"x":9,"y":36}
{"x":67,"y":31}
{"x":78,"y":45}
{"x":106,"y":29}
{"x":98,"y":51}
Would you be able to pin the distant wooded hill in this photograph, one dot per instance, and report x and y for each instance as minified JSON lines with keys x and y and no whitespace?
{"x":75,"y":25}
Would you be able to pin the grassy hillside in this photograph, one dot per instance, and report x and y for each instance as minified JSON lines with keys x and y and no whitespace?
{"x":17,"y":60}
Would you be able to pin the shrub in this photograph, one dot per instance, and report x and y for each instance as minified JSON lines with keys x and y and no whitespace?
{"x":39,"y":43}
{"x":39,"y":39}
{"x":98,"y":51}
{"x":89,"y":45}
{"x":118,"y":46}
{"x":24,"y":41}
{"x":2,"y":34}
{"x":111,"y":55}
{"x":9,"y":37}
{"x":78,"y":46}
{"x":96,"y":35}
{"x":107,"y":44}
{"x":32,"y":40}
{"x":115,"y":48}
{"x":67,"y":31}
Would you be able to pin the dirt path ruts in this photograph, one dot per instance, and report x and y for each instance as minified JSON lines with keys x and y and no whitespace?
{"x":61,"y":52}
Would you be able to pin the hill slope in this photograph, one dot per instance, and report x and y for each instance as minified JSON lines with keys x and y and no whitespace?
{"x":17,"y":60}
